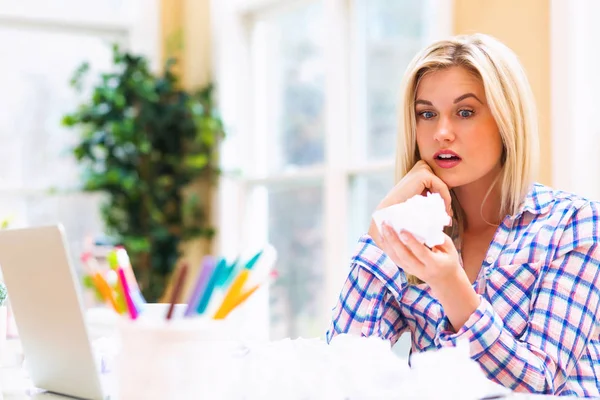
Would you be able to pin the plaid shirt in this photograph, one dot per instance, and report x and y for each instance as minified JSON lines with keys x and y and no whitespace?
{"x":537,"y":328}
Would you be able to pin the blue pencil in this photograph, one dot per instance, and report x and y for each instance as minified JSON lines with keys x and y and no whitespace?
{"x":210,"y":286}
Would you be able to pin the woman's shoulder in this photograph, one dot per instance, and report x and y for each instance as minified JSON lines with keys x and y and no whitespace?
{"x":543,"y":199}
{"x":555,"y":223}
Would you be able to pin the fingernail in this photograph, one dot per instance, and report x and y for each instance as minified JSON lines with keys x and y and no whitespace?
{"x":404,"y":237}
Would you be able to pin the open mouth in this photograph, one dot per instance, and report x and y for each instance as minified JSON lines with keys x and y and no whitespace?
{"x":447,"y":157}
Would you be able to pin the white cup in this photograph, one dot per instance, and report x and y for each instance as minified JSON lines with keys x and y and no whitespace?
{"x":181,"y":358}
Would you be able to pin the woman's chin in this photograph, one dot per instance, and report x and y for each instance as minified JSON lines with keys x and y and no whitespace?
{"x":454,"y":177}
{"x":453,"y":181}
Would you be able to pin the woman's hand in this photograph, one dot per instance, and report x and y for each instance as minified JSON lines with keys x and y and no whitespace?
{"x":439,"y":267}
{"x":419,"y":180}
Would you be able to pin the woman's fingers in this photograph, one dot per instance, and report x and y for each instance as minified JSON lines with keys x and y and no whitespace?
{"x":436,"y":185}
{"x":447,"y":247}
{"x":418,"y":249}
{"x":399,"y":253}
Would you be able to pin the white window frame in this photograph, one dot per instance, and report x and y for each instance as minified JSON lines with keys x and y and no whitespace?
{"x":138,"y":21}
{"x":136,"y":26}
{"x":232,"y":25}
{"x":574,"y":100}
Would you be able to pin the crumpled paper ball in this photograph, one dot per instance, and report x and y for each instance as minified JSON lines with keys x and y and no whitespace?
{"x":423,"y":216}
{"x":454,"y":374}
{"x":350,"y":367}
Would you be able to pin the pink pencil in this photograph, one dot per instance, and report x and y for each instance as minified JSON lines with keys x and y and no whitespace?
{"x":130,"y":306}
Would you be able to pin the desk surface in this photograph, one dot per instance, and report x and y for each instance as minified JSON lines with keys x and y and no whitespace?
{"x":15,"y":384}
{"x":15,"y":387}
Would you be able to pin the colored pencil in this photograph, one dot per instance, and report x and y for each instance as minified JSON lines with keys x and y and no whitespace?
{"x":177,"y":290}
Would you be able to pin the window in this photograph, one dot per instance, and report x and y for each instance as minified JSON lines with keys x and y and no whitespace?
{"x":45,"y":45}
{"x":309,"y":94}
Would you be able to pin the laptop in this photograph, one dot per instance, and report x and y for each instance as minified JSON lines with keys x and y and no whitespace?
{"x":48,"y":309}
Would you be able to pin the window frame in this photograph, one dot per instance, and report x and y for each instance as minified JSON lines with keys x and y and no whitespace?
{"x":575,"y":140}
{"x":139,"y":21}
{"x":232,"y":33}
{"x":133,"y":23}
{"x":137,"y":27}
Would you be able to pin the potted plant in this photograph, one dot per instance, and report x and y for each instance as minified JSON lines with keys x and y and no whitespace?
{"x":143,"y":142}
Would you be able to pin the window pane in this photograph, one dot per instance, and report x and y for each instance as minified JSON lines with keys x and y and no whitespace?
{"x":78,"y":212}
{"x":366,"y":192}
{"x":295,"y":230}
{"x":289,"y":87}
{"x":389,"y":34}
{"x":35,"y":95}
{"x":35,"y":154}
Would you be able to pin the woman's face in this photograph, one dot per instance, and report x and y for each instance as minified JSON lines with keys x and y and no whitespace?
{"x":456,"y":132}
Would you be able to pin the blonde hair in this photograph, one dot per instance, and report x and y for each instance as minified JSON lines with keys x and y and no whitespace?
{"x":509,"y":97}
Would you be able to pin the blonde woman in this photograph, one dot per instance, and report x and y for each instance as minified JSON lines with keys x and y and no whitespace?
{"x":519,"y":272}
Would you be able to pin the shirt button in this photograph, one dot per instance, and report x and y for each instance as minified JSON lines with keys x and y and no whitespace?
{"x":489,"y":259}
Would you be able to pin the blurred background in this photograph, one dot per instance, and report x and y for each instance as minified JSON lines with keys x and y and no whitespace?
{"x":306,"y":91}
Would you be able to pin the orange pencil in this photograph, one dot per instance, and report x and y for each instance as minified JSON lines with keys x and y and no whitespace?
{"x":105,"y":290}
{"x":91,"y":267}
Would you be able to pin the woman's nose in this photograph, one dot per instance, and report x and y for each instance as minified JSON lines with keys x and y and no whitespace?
{"x":444,"y":131}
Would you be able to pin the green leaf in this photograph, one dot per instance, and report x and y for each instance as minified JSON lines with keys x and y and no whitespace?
{"x":137,"y":244}
{"x":68,"y":120}
{"x":197,"y":161}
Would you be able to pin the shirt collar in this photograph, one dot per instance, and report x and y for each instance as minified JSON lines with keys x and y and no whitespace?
{"x":538,"y":201}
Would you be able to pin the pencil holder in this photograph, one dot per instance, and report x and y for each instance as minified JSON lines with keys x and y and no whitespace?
{"x":176,"y":359}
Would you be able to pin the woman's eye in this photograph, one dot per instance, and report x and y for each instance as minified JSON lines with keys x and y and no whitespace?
{"x":465,"y":113}
{"x":427,"y":114}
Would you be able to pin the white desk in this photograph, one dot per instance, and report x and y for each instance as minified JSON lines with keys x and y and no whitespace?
{"x":15,"y":384}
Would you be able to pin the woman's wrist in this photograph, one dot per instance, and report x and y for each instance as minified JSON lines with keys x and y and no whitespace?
{"x":458,"y":299}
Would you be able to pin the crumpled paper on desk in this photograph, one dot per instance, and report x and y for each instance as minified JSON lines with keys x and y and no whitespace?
{"x":423,"y":216}
{"x":350,"y":367}
{"x":450,"y":373}
{"x":354,"y":367}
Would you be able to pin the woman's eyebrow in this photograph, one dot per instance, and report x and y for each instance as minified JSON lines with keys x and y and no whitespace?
{"x":424,"y":102}
{"x":465,"y":96}
{"x":457,"y":100}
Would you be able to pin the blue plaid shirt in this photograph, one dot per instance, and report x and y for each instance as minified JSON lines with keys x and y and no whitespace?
{"x":537,"y":328}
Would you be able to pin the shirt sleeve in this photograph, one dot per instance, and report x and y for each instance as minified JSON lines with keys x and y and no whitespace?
{"x":563,"y":317}
{"x":368,"y":304}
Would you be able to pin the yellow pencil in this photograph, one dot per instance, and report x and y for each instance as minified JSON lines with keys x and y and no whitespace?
{"x":239,"y":300}
{"x":232,"y":294}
